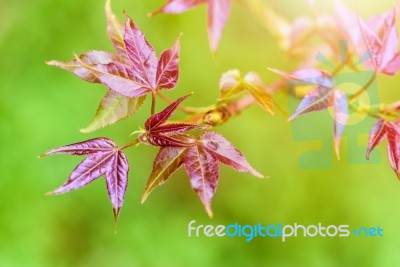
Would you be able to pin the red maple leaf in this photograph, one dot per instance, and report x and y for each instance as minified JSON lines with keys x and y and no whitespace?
{"x":376,"y":38}
{"x":200,"y":161}
{"x":132,"y":72}
{"x":104,"y":158}
{"x":200,"y":156}
{"x":320,"y":98}
{"x":143,"y":73}
{"x":391,"y":131}
{"x":160,"y":133}
{"x":218,"y":13}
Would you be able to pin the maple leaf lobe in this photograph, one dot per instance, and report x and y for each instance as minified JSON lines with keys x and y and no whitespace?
{"x":104,"y":158}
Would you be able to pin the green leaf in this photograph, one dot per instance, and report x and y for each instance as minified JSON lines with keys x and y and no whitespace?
{"x":230,"y":84}
{"x":113,"y":107}
{"x":254,"y":84}
{"x":115,"y":30}
{"x":262,"y":98}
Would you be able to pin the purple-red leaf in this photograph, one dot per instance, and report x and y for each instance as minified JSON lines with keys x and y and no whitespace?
{"x":390,"y":38}
{"x":89,"y":58}
{"x":382,"y":43}
{"x":393,"y":146}
{"x":373,"y":45}
{"x":178,"y":6}
{"x":176,"y":140}
{"x":316,"y":100}
{"x":168,"y":69}
{"x":133,"y":72}
{"x":83,"y":148}
{"x":347,"y":22}
{"x":158,"y":133}
{"x":203,"y":171}
{"x":161,"y":117}
{"x":341,"y":115}
{"x":226,"y":153}
{"x":378,"y":132}
{"x":104,"y":158}
{"x":376,"y":36}
{"x":174,"y":128}
{"x":308,"y":76}
{"x":136,"y":76}
{"x":168,"y":160}
{"x":393,"y":67}
{"x":141,"y":54}
{"x":200,"y":160}
{"x":392,"y":132}
{"x":119,"y":78}
{"x":88,"y":170}
{"x":117,"y":180}
{"x":218,"y":13}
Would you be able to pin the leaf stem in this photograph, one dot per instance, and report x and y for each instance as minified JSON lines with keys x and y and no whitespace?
{"x":363,"y":111}
{"x":153,"y":102}
{"x":132,"y":143}
{"x":364,"y":88}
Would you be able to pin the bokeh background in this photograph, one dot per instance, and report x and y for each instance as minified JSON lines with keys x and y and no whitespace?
{"x":43,"y":107}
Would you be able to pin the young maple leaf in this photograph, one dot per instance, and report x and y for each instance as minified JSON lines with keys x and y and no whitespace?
{"x":218,"y":13}
{"x":376,"y":36}
{"x":143,"y":73}
{"x":130,"y":74}
{"x":104,"y":158}
{"x":160,"y":133}
{"x":391,"y":131}
{"x":320,"y":98}
{"x":232,"y":83}
{"x":297,"y":38}
{"x":340,"y":117}
{"x":201,"y":164}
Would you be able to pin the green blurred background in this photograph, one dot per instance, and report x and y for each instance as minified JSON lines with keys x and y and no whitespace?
{"x":43,"y":107}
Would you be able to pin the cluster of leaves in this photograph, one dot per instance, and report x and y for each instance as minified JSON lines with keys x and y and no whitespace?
{"x":375,"y":41}
{"x":134,"y":71}
{"x":199,"y":156}
{"x":130,"y":74}
{"x":376,"y":38}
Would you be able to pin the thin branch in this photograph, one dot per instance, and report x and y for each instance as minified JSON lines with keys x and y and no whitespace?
{"x":153,"y":103}
{"x":187,"y":110}
{"x":132,"y":143}
{"x":364,"y":88}
{"x":362,"y":111}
